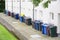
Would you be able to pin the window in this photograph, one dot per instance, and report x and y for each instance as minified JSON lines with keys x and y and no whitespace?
{"x":52,"y":15}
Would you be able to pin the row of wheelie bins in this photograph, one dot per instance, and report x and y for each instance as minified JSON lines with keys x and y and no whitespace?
{"x":23,"y":18}
{"x":46,"y":29}
{"x":16,"y":16}
{"x":37,"y":25}
{"x":50,"y":30}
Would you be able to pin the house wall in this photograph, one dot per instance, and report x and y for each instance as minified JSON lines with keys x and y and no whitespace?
{"x":27,"y":9}
{"x":54,"y":7}
{"x":12,"y":6}
{"x":16,"y":6}
{"x":44,"y":14}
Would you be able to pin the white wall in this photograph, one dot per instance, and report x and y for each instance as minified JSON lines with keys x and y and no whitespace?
{"x":27,"y":9}
{"x":8,"y":5}
{"x":13,"y":6}
{"x":16,"y":6}
{"x":40,"y":13}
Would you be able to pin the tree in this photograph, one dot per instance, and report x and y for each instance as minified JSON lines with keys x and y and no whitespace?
{"x":35,"y":4}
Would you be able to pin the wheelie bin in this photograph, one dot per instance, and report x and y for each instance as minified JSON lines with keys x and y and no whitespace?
{"x":27,"y":20}
{"x":6,"y":12}
{"x":16,"y":16}
{"x":12,"y":14}
{"x":21,"y":18}
{"x":9,"y":13}
{"x":37,"y":24}
{"x":53,"y":31}
{"x":44,"y":27}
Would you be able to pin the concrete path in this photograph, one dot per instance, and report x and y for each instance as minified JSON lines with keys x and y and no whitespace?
{"x":23,"y":31}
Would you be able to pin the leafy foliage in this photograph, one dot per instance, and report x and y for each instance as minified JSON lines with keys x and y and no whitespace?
{"x":45,"y":5}
{"x":36,"y":2}
{"x":2,"y":5}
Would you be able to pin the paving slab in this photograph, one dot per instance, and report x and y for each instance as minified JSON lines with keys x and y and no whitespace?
{"x":23,"y":31}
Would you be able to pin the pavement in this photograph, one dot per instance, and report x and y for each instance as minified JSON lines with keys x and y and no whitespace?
{"x":23,"y":31}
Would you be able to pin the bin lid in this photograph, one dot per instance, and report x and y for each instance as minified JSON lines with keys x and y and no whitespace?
{"x":22,"y":14}
{"x":38,"y":21}
{"x":45,"y":25}
{"x":27,"y":17}
{"x":52,"y":26}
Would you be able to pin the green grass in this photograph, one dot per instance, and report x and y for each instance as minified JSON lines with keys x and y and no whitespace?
{"x":5,"y":35}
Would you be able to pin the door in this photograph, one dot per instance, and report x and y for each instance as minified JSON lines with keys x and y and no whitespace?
{"x":59,"y":23}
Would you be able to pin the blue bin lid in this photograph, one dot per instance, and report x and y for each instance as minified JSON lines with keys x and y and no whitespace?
{"x":45,"y":25}
{"x":37,"y":21}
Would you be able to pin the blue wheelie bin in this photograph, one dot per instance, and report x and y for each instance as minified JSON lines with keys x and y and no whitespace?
{"x":16,"y":16}
{"x":44,"y":27}
{"x":37,"y":25}
{"x":6,"y":12}
{"x":21,"y":18}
